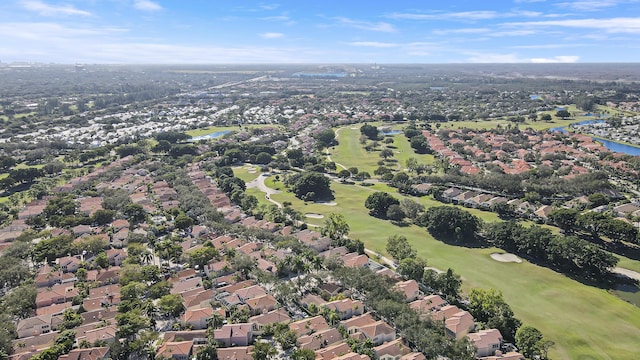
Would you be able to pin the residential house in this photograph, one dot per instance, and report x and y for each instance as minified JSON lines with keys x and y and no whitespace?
{"x":180,"y":350}
{"x":235,"y":353}
{"x":410,"y":289}
{"x":69,"y":264}
{"x":379,"y":332}
{"x":198,"y":318}
{"x":103,"y":334}
{"x":95,"y":353}
{"x":234,"y":334}
{"x":278,"y":316}
{"x":354,"y":324}
{"x":458,"y":323}
{"x":333,"y":351}
{"x":56,"y":294}
{"x":116,"y":256}
{"x":34,"y":326}
{"x":512,"y":355}
{"x":309,"y":325}
{"x":355,"y":260}
{"x":346,"y":308}
{"x":319,"y":339}
{"x":543,"y":212}
{"x":428,"y":304}
{"x":487,"y":342}
{"x":261,"y":304}
{"x":391,"y":350}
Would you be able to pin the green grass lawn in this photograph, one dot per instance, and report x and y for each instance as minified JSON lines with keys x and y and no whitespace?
{"x":350,"y":152}
{"x":247,"y":172}
{"x":585,"y":322}
{"x":211,"y":129}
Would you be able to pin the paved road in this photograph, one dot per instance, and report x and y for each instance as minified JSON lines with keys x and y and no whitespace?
{"x":259,"y":184}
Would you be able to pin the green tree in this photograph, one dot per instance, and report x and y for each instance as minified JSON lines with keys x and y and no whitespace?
{"x":412,"y":268}
{"x":263,"y":351}
{"x":378,"y":203}
{"x":411,"y":208}
{"x":312,"y":186}
{"x":563,"y":114}
{"x":564,"y":218}
{"x":335,"y":227}
{"x":489,"y":308}
{"x":369,"y":131}
{"x":208,"y":352}
{"x":399,"y":248}
{"x":303,"y":354}
{"x":449,"y":221}
{"x":183,"y":221}
{"x":171,"y":305}
{"x":395,"y":213}
{"x":386,"y":153}
{"x":325,"y":138}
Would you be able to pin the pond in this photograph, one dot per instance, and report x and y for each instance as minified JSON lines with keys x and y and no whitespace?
{"x":391,"y":132}
{"x":611,"y":145}
{"x":212,"y":135}
{"x":629,"y":293}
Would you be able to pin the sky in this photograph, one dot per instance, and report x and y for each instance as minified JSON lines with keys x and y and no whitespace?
{"x":326,"y":31}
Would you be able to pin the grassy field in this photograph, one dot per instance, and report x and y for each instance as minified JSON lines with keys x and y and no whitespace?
{"x":585,"y":322}
{"x":211,"y":129}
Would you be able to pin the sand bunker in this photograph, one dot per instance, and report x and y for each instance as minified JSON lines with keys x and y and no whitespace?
{"x":327,"y":203}
{"x":628,"y":273}
{"x":506,"y":257}
{"x":314,"y":216}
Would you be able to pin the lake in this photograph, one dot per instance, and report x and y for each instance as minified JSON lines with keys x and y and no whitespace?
{"x":212,"y":135}
{"x":391,"y":132}
{"x":611,"y":145}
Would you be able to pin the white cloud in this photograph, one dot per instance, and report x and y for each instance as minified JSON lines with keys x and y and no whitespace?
{"x":52,"y":10}
{"x":465,"y":15}
{"x":146,"y":5}
{"x":271,"y":35}
{"x":556,"y":60}
{"x":365,"y":25}
{"x":461,"y":31}
{"x":494,"y":58}
{"x":611,"y":25}
{"x":589,"y":5}
{"x":374,"y":44}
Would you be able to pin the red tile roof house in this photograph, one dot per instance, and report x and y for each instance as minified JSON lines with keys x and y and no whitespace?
{"x":56,"y":294}
{"x":319,"y":339}
{"x":35,"y":326}
{"x":68,"y":263}
{"x":105,"y":276}
{"x":96,"y":353}
{"x":457,"y":322}
{"x":235,"y":353}
{"x":346,"y":308}
{"x":410,"y":289}
{"x":487,"y":342}
{"x":180,"y":350}
{"x":116,"y":256}
{"x":250,"y":292}
{"x":234,"y":334}
{"x":103,"y":334}
{"x":391,"y":350}
{"x":47,"y":277}
{"x":258,"y":322}
{"x":428,"y":304}
{"x":353,"y":325}
{"x":379,"y":332}
{"x":333,"y":351}
{"x":309,"y":325}
{"x":262,"y":304}
{"x":198,"y":318}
